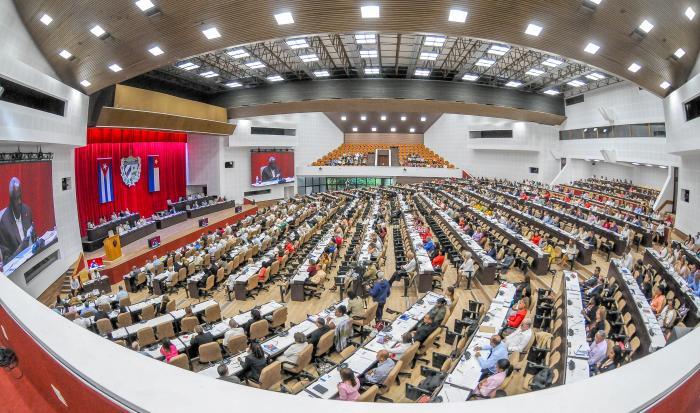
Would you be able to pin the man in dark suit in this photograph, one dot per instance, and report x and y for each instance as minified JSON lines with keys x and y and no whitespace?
{"x":16,"y":224}
{"x":322,"y":329}
{"x":424,"y":328}
{"x":271,"y":172}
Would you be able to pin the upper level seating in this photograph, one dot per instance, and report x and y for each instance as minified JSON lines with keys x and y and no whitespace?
{"x":416,"y":155}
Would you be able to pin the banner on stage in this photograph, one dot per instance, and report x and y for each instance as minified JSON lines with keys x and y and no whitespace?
{"x":104,"y":178}
{"x":153,"y":173}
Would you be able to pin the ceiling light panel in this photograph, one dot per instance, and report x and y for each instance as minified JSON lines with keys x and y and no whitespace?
{"x":371,"y":70}
{"x":115,"y":68}
{"x":535,"y":72}
{"x":634,"y":68}
{"x":422,"y":72}
{"x":383,"y":117}
{"x":374,"y":129}
{"x":233,"y":84}
{"x":428,"y":56}
{"x":679,"y":53}
{"x":255,"y":65}
{"x":412,"y":130}
{"x":485,"y":62}
{"x":595,"y":76}
{"x":498,"y":50}
{"x":369,"y":12}
{"x":458,"y":16}
{"x":65,"y":54}
{"x":646,"y":26}
{"x":393,"y":129}
{"x":436,"y":41}
{"x":306,"y":58}
{"x":591,"y":48}
{"x":533,"y":29}
{"x":144,"y":5}
{"x":98,"y":31}
{"x":367,"y":54}
{"x":321,"y":73}
{"x":187,"y":66}
{"x":403,"y":118}
{"x":552,"y":62}
{"x":275,"y":78}
{"x":423,"y":118}
{"x":85,"y":83}
{"x":46,"y":19}
{"x":513,"y":83}
{"x":156,"y":51}
{"x":297,"y":43}
{"x":365,"y":38}
{"x":576,"y":83}
{"x":211,"y":33}
{"x":470,"y":77}
{"x":238,"y":53}
{"x":284,"y":18}
{"x":209,"y":74}
{"x":690,"y":13}
{"x":664,"y":85}
{"x":551,"y":92}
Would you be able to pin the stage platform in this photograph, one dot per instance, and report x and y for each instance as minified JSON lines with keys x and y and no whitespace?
{"x":171,"y":238}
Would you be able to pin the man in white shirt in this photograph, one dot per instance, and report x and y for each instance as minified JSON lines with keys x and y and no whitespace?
{"x":628,"y":261}
{"x":465,"y":270}
{"x":234,"y":330}
{"x":518,"y":339}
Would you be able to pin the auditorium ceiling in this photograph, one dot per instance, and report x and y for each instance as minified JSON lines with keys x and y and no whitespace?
{"x":383,"y":122}
{"x":94,"y":43}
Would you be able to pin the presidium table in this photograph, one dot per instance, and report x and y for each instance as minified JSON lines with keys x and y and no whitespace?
{"x":208,"y":209}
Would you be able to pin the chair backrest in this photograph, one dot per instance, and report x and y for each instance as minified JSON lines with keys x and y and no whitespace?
{"x":124,"y":319}
{"x":210,"y":352}
{"x":210,"y":282}
{"x":325,"y":343}
{"x":212,"y":313}
{"x":271,"y":375}
{"x":146,"y":337}
{"x":428,"y":343}
{"x":279,"y":317}
{"x":347,"y":352}
{"x":182,"y":274}
{"x":409,"y":355}
{"x":391,"y":378}
{"x":171,"y":306}
{"x":369,"y":395}
{"x":220,"y":274}
{"x":370,"y":313}
{"x":188,"y":324}
{"x":182,"y":361}
{"x":141,"y":278}
{"x":165,"y":330}
{"x":148,"y":312}
{"x":125,"y":301}
{"x":252,"y":283}
{"x":237,"y":344}
{"x":104,"y":326}
{"x":259,"y":329}
{"x":446,"y":366}
{"x":304,"y":359}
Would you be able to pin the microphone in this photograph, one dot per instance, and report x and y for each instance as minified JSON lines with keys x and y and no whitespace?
{"x":571,"y":332}
{"x":572,"y":365}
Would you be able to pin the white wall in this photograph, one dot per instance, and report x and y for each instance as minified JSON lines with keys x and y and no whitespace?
{"x":315,"y":136}
{"x":688,"y":213}
{"x":502,"y":158}
{"x":22,"y":62}
{"x":624,"y":102}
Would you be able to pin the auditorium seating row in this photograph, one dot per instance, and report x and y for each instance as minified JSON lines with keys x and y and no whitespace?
{"x":357,"y":155}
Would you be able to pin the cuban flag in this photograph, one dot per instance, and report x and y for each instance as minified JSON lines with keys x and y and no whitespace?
{"x":104,"y":180}
{"x":153,"y":173}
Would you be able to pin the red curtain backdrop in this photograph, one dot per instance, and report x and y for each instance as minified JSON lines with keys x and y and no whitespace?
{"x":117,"y":144}
{"x":37,"y":191}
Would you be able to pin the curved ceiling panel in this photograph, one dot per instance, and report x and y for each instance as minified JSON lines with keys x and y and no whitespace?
{"x":567,"y":27}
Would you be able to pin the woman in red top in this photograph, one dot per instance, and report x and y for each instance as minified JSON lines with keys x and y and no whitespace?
{"x":517,"y":318}
{"x":438,"y":260}
{"x":536,"y":239}
{"x":168,"y":350}
{"x":261,"y":274}
{"x":289,"y":247}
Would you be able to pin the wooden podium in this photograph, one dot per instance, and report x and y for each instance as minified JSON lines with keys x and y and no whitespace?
{"x":113,"y":247}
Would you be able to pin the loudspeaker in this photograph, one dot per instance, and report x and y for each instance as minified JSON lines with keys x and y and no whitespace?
{"x":228,"y":164}
{"x":65,"y":183}
{"x":609,"y":156}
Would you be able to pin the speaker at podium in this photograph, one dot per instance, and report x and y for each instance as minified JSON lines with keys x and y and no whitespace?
{"x":113,"y":247}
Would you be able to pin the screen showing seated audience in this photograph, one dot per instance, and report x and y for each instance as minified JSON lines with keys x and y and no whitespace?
{"x":271,"y":168}
{"x":27,"y":223}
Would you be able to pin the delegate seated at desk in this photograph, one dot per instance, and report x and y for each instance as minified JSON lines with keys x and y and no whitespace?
{"x":200,"y":338}
{"x":497,"y":350}
{"x":384,"y":365}
{"x":424,"y":328}
{"x":254,"y":362}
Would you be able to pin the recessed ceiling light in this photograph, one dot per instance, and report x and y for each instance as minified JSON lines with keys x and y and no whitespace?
{"x":422,"y":72}
{"x":428,"y":56}
{"x":403,"y":118}
{"x":576,"y":83}
{"x":594,"y":1}
{"x":595,"y":76}
{"x":533,"y":29}
{"x":354,"y":128}
{"x":364,"y":117}
{"x":634,"y":68}
{"x":85,"y":83}
{"x":297,"y":43}
{"x":591,"y":48}
{"x":498,"y":50}
{"x":374,"y":129}
{"x":646,"y":26}
{"x":663,"y":166}
{"x":46,"y":19}
{"x":648,"y":164}
{"x":366,"y":54}
{"x":436,"y":41}
{"x":371,"y":70}
{"x":275,"y":78}
{"x":365,"y":38}
{"x":343,"y":118}
{"x":321,"y":73}
{"x":485,"y":62}
{"x":98,"y":31}
{"x":209,"y":74}
{"x":552,"y":62}
{"x":690,"y":13}
{"x":187,"y":66}
{"x":665,"y":85}
{"x":423,"y":118}
{"x":144,"y":5}
{"x":393,"y":129}
{"x":470,"y":77}
{"x":156,"y":51}
{"x":211,"y":33}
{"x":412,"y":130}
{"x":65,"y":54}
{"x":115,"y":68}
{"x":535,"y":72}
{"x":370,"y":12}
{"x":679,"y":53}
{"x":551,"y":92}
{"x":233,"y":84}
{"x":635,"y":164}
{"x":309,"y":58}
{"x":458,"y":16}
{"x":255,"y":65}
{"x":513,"y":83}
{"x":284,"y":18}
{"x":238,"y":53}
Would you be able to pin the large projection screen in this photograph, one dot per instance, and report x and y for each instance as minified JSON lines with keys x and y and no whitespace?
{"x":271,"y":167}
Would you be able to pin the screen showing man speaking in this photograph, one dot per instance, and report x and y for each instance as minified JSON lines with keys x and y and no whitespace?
{"x":27,"y":222}
{"x":270,"y":168}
